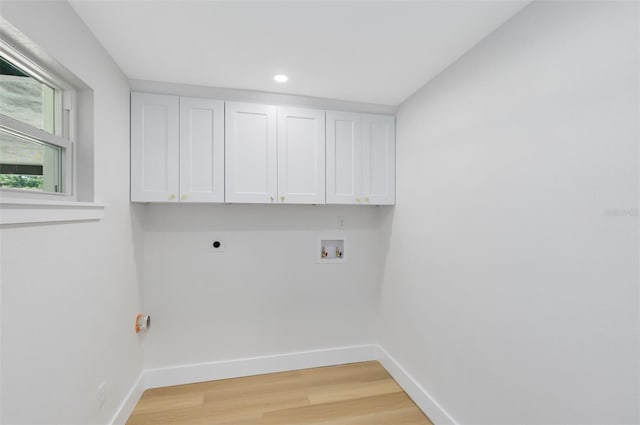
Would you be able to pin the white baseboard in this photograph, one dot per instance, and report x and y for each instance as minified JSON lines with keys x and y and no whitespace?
{"x":258,"y":365}
{"x":420,"y":396}
{"x":129,"y":402}
{"x":191,"y":373}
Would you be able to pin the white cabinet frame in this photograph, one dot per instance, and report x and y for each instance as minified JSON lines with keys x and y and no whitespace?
{"x":201,"y":150}
{"x":360,"y":159}
{"x":177,"y":149}
{"x":301,"y":156}
{"x":344,"y":157}
{"x":186,"y":149}
{"x":154,"y":147}
{"x":251,"y":157}
{"x":379,"y":159}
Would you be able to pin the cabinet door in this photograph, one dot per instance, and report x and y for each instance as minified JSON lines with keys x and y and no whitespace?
{"x":379,"y":159}
{"x":301,"y":154}
{"x":344,"y":158}
{"x":154,"y":148}
{"x":250,"y":150}
{"x":201,"y":150}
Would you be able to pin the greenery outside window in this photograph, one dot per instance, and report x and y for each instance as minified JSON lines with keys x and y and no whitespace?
{"x":36,"y":150}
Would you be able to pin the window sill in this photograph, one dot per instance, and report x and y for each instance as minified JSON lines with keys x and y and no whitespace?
{"x":25,"y":211}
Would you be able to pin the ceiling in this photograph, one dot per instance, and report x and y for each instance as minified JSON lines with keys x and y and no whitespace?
{"x":361,"y":51}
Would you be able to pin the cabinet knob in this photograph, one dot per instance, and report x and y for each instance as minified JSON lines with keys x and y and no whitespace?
{"x":282,"y":198}
{"x":273,"y":199}
{"x":184,"y":197}
{"x":172,"y":196}
{"x":357,"y":199}
{"x":366,"y":199}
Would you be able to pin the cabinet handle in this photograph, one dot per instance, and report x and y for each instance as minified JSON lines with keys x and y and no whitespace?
{"x":366,"y":199}
{"x":282,"y":198}
{"x":184,"y":197}
{"x":172,"y":196}
{"x":273,"y":199}
{"x":357,"y":199}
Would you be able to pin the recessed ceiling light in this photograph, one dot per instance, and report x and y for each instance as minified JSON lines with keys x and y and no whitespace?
{"x":281,"y":78}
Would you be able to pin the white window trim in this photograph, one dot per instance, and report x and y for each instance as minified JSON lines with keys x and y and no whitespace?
{"x":24,"y":211}
{"x":24,"y":206}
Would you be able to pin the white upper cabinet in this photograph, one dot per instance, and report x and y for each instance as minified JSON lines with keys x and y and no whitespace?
{"x":154,"y":147}
{"x":344,"y":157}
{"x":177,"y":149}
{"x":251,"y":173}
{"x":274,"y":155}
{"x":360,"y":159}
{"x":201,"y":150}
{"x":186,"y":149}
{"x":301,"y":156}
{"x":379,"y":159}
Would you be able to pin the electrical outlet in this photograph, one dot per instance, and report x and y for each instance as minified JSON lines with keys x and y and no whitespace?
{"x":341,"y":222}
{"x":217,"y":245}
{"x":102,"y":395}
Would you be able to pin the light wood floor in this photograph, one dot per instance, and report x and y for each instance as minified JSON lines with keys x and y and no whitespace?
{"x":354,"y":394}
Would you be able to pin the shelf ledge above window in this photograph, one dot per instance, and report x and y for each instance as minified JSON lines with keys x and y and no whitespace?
{"x":26,"y":211}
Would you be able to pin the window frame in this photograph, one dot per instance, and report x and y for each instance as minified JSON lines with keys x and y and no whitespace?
{"x":64,"y":125}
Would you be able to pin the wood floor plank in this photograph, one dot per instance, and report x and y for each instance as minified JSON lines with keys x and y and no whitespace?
{"x":169,"y":402}
{"x":197,"y":416}
{"x":353,"y":394}
{"x":408,"y":416}
{"x":335,"y":412}
{"x":351,"y":390}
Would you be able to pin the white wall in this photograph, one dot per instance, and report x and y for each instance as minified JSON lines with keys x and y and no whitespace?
{"x":511,"y":284}
{"x":266,"y":293}
{"x":70,"y":291}
{"x":511,"y":278}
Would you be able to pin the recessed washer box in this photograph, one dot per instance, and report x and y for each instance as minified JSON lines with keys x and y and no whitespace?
{"x":332,"y":250}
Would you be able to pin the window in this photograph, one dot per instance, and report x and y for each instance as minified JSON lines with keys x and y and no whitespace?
{"x":46,"y":175}
{"x":35,"y":147}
